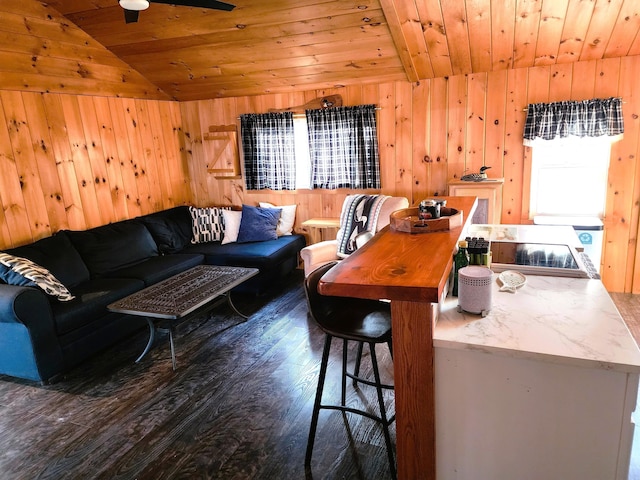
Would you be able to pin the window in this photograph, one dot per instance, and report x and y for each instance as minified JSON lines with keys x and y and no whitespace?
{"x":569,"y":177}
{"x":343,"y":145}
{"x":570,"y":143}
{"x":269,"y":153}
{"x":330,"y":148}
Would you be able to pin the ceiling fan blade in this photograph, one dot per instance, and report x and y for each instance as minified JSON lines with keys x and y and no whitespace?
{"x":131,"y":16}
{"x":214,"y":4}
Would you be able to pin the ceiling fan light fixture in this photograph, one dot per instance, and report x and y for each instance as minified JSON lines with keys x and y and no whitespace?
{"x":134,"y":4}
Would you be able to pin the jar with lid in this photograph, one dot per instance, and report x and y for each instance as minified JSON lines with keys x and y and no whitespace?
{"x":429,"y":208}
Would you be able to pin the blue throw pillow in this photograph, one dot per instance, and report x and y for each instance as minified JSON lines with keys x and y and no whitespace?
{"x":258,"y":224}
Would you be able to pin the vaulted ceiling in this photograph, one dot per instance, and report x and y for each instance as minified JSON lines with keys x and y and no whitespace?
{"x":282,"y":45}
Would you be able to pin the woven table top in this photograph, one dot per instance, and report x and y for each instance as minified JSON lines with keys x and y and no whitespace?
{"x":183,"y":293}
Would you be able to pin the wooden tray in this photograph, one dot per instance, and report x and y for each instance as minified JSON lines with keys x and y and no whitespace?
{"x":407,"y":220}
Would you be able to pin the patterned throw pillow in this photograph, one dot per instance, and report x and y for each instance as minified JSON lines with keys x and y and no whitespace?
{"x":206,"y":224}
{"x":22,"y":271}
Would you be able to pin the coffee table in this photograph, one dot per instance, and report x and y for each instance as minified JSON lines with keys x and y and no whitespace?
{"x":180,"y":295}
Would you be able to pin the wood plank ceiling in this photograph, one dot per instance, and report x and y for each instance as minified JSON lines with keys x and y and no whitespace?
{"x":284,"y":45}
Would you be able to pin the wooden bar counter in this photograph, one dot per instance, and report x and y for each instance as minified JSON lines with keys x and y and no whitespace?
{"x":412,"y":271}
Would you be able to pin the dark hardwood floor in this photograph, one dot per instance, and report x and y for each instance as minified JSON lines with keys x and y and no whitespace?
{"x":238,"y":406}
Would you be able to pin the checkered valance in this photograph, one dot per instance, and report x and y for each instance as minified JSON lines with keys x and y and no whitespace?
{"x":587,"y":118}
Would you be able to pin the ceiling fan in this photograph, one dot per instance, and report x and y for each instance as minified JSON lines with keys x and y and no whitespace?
{"x":132,"y":7}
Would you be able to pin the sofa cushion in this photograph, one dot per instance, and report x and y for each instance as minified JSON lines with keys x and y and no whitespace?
{"x":261,"y":255}
{"x":22,"y":271}
{"x":111,"y":247}
{"x":171,"y":229}
{"x":92,"y":298}
{"x":258,"y":224}
{"x":155,"y":269}
{"x":58,"y":255}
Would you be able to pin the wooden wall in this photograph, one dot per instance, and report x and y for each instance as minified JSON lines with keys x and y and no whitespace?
{"x":75,"y":154}
{"x":71,"y":161}
{"x":84,"y":139}
{"x":435,"y":130}
{"x":76,"y":162}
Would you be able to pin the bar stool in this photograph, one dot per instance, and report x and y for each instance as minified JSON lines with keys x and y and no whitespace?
{"x":349,"y":319}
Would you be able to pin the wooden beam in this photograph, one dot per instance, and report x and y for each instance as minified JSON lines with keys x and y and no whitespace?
{"x":399,"y":33}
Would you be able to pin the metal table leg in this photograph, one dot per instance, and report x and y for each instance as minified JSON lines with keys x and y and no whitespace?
{"x":153,"y":328}
{"x":152,"y":336}
{"x":233,"y":307}
{"x":173,"y":351}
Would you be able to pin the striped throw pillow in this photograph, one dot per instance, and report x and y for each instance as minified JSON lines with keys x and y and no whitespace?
{"x":206,"y":224}
{"x":24,"y":272}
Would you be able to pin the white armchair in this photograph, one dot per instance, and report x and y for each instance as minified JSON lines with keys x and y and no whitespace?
{"x":324,"y":252}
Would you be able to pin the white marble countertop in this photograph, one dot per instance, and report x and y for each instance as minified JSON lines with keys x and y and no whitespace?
{"x":562,"y":320}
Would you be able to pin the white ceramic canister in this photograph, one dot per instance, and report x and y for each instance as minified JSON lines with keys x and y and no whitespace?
{"x":474,"y":289}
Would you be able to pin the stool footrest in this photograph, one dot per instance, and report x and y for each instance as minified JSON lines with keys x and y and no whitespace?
{"x":371,"y":383}
{"x":357,"y":411}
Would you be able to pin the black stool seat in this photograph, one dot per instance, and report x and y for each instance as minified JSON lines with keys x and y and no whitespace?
{"x":349,"y":319}
{"x":354,"y":319}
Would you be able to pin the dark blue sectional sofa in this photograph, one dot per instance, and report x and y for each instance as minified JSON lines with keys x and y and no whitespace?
{"x":41,"y":337}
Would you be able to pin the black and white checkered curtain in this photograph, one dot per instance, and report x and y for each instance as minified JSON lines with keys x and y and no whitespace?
{"x":343,"y":146}
{"x":587,"y":118}
{"x":269,"y":154}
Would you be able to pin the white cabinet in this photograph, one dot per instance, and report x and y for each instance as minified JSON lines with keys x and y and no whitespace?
{"x":501,"y":417}
{"x":489,"y":193}
{"x":543,"y":387}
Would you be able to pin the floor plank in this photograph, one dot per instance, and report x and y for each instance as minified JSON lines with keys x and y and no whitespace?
{"x":238,"y":406}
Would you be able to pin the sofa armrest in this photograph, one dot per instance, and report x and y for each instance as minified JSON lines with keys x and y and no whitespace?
{"x":318,"y":254}
{"x":29,"y":346}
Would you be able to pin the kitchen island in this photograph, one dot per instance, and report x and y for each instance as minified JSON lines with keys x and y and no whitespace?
{"x":439,"y":421}
{"x":542,"y":387}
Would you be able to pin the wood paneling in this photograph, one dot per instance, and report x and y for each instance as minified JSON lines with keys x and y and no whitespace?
{"x":41,"y":51}
{"x":259,"y":47}
{"x":434,"y":130}
{"x":73,"y":154}
{"x":76,"y":162}
{"x":280,"y":46}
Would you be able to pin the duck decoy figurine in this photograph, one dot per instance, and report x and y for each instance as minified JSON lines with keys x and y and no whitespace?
{"x":476,"y":177}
